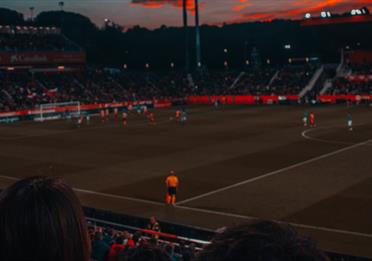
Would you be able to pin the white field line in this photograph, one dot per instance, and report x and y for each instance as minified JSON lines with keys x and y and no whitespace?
{"x":106,"y":195}
{"x":267,"y":175}
{"x":305,"y":134}
{"x":205,"y":211}
{"x":250,"y":218}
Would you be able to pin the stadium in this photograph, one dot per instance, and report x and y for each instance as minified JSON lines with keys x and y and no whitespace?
{"x":257,"y":121}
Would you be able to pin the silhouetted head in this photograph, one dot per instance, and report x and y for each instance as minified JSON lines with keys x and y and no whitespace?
{"x":41,"y":219}
{"x":146,"y":252}
{"x":264,"y":241}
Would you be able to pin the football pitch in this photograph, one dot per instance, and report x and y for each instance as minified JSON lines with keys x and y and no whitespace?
{"x":235,"y":164}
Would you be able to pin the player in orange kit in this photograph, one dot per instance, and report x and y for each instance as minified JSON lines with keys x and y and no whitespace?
{"x":172,"y":185}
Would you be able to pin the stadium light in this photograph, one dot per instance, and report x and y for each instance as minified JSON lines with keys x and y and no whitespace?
{"x":365,"y":10}
{"x":268,"y":61}
{"x":199,"y":64}
{"x":307,"y":16}
{"x":125,"y":66}
{"x":172,"y":65}
{"x":325,"y":14}
{"x":225,"y":50}
{"x":287,"y":47}
{"x":247,"y":62}
{"x":147,"y":65}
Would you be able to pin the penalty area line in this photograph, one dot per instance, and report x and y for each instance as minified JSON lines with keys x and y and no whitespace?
{"x":267,"y":175}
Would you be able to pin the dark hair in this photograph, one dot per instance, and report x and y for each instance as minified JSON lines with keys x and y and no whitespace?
{"x":42,"y":219}
{"x":265,"y":241}
{"x":98,"y":236}
{"x":137,"y":236}
{"x":145,"y":252}
{"x":119,"y":240}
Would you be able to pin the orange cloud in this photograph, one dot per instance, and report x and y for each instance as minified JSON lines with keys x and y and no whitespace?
{"x":160,"y":3}
{"x":243,"y":5}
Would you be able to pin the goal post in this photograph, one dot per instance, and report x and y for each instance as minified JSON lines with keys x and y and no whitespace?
{"x":61,"y":110}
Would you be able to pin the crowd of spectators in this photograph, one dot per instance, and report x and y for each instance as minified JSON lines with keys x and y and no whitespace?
{"x":115,"y":245}
{"x":25,"y":90}
{"x":291,"y":80}
{"x":41,"y":218}
{"x":254,"y":82}
{"x":213,"y":82}
{"x":359,"y":81}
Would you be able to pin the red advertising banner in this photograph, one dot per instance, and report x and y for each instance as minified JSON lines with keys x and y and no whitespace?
{"x":353,"y":98}
{"x":198,"y":100}
{"x":38,"y":58}
{"x":269,"y":99}
{"x":162,"y":103}
{"x":245,"y":99}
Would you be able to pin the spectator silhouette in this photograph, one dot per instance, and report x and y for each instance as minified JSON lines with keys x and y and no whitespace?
{"x":100,"y":249}
{"x":41,"y":219}
{"x":263,"y":241}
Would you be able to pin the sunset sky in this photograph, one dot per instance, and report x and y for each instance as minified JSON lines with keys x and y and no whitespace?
{"x":153,"y":13}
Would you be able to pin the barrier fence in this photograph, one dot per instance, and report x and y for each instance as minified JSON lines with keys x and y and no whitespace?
{"x":174,"y":232}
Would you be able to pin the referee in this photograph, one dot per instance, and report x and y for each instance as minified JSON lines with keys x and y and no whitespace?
{"x":172,"y":185}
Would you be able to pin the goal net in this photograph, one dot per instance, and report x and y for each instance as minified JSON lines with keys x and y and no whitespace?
{"x":62,"y":110}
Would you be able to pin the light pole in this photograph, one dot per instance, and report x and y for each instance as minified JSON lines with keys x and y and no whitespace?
{"x":61,"y":5}
{"x":186,"y":30}
{"x":32,"y":13}
{"x":197,"y":37}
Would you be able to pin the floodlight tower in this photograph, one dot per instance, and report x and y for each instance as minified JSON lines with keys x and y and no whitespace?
{"x":32,"y":13}
{"x":186,"y":30}
{"x":197,"y":36}
{"x":61,"y":4}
